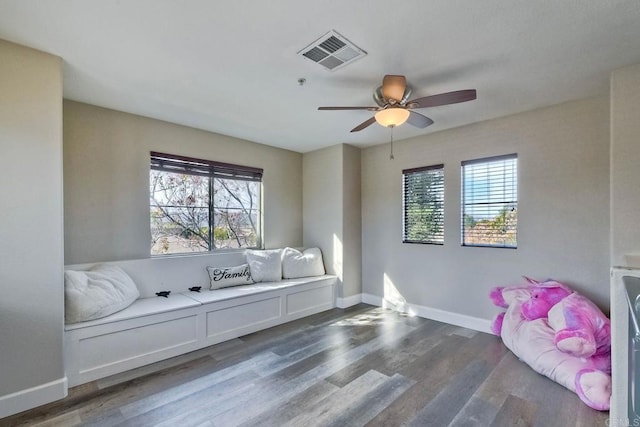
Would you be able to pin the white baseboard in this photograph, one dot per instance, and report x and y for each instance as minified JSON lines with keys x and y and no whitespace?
{"x":372,"y":299}
{"x":457,"y":319}
{"x":348,"y":301}
{"x":30,"y":398}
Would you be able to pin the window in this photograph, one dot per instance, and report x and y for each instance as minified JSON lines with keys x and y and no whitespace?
{"x":490,"y":202}
{"x":199,"y":205}
{"x":423,"y":205}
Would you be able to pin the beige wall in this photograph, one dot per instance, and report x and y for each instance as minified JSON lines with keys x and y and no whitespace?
{"x":31,"y":289}
{"x":563,"y":223}
{"x":106,"y":180}
{"x":351,"y":220}
{"x":322,"y":205}
{"x":331,"y":207}
{"x":625,"y":167}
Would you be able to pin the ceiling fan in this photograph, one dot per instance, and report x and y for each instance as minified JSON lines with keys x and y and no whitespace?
{"x":394,"y":108}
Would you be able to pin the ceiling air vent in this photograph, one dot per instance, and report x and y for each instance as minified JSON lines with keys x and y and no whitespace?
{"x":332,"y":51}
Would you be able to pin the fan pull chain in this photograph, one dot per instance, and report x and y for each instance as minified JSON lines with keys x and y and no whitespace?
{"x":391,"y":155}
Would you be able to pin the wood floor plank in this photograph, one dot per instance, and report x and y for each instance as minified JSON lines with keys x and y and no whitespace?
{"x":403,"y":409}
{"x":185,"y":390}
{"x":555,"y":399}
{"x":279,"y":414}
{"x":223,"y":393}
{"x":174,"y":378}
{"x":282,"y":334}
{"x":441,"y":410}
{"x":108,"y":418}
{"x":286,"y":389}
{"x":67,"y":419}
{"x":516,"y":412}
{"x":326,"y":347}
{"x":310,"y":337}
{"x":339,"y":348}
{"x":588,"y":417}
{"x":464,"y":332}
{"x":498,"y":386}
{"x":432,"y":372}
{"x":358,"y":413}
{"x":327,"y":410}
{"x":341,"y":341}
{"x":151,"y":368}
{"x":475,"y":413}
{"x":332,"y":316}
{"x":392,"y":358}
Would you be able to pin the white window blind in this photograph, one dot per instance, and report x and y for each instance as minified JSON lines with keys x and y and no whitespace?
{"x":490,"y":202}
{"x":423,"y":205}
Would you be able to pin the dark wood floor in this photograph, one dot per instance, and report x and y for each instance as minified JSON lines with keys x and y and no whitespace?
{"x":359,"y":366}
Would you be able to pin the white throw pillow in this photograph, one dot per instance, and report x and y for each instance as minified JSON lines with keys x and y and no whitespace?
{"x":265,"y":266}
{"x":99,"y":292}
{"x":302,"y":264}
{"x":222,"y":277}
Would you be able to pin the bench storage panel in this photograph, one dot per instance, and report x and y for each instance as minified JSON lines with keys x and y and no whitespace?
{"x":102,"y":349}
{"x":306,"y":302}
{"x":263,"y":305}
{"x":113,"y":352}
{"x":243,"y":318}
{"x":157,"y":328}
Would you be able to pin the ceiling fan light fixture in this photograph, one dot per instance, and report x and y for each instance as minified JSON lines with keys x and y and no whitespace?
{"x":393,"y":104}
{"x":392,"y":116}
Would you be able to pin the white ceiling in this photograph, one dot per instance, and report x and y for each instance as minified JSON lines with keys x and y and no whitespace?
{"x":232,"y":67}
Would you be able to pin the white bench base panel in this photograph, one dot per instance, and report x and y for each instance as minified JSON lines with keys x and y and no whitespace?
{"x":153,"y":329}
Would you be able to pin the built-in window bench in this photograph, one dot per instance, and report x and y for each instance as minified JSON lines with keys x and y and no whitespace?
{"x":155,"y":328}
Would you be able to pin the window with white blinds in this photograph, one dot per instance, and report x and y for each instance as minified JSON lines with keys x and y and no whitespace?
{"x":423,"y":205}
{"x":490,"y":202}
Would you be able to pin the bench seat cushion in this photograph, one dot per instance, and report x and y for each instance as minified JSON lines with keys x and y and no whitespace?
{"x":206,"y":297}
{"x":154,"y":305}
{"x":141,"y":307}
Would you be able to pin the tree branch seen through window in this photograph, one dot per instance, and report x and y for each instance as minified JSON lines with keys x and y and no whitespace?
{"x":198,"y":212}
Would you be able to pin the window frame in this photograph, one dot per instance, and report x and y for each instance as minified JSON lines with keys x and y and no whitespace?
{"x":178,"y":164}
{"x":405,"y":173}
{"x":464,"y":204}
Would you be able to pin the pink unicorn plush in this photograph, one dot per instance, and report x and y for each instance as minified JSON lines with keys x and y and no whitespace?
{"x":542,"y":296}
{"x":560,"y":334}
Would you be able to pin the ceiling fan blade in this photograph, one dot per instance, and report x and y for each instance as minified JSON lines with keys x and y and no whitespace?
{"x":418,"y":120}
{"x":347,"y":108}
{"x":443,"y":99}
{"x":393,"y":87}
{"x":364,"y":124}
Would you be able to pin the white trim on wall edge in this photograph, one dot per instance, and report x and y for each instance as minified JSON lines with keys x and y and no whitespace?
{"x":457,"y":319}
{"x":31,"y":397}
{"x":348,"y":301}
